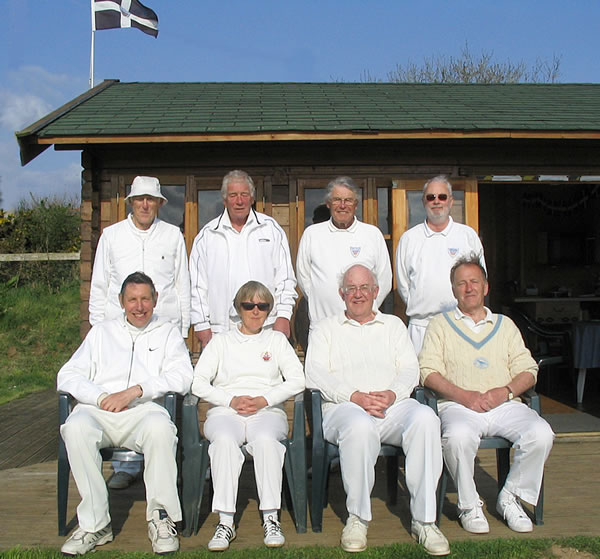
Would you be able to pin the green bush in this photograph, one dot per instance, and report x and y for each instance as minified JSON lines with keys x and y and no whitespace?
{"x":40,"y":226}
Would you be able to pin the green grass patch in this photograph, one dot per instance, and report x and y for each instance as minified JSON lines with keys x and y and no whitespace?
{"x":581,"y":547}
{"x":39,"y":331}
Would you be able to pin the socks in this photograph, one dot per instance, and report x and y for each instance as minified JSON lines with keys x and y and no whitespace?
{"x":226,"y":518}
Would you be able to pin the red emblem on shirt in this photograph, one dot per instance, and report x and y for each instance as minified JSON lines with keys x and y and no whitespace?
{"x":266,"y":356}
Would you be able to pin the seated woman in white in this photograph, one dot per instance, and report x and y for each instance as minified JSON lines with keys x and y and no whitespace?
{"x":247,"y":374}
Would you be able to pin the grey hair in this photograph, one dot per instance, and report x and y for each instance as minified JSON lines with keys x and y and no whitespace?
{"x":251,"y":289}
{"x":235,"y":176}
{"x":342,"y":276}
{"x":471,"y":259}
{"x":138,"y":278}
{"x":440,"y":178}
{"x":347,"y":182}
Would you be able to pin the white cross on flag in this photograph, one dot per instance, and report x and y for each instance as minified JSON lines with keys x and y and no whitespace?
{"x":110,"y":14}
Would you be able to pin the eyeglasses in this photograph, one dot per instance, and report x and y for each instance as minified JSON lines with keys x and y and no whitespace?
{"x":432,"y":197}
{"x":348,"y":201}
{"x":247,"y":306}
{"x":352,"y":289}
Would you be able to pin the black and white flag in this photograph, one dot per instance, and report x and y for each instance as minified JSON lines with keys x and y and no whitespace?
{"x":110,"y":14}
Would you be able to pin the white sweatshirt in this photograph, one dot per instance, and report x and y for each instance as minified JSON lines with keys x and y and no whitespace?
{"x":235,"y":364}
{"x":108,"y":361}
{"x":423,"y":262}
{"x":325,"y":252}
{"x":345,"y":356}
{"x":222,"y":260}
{"x":159,"y":252}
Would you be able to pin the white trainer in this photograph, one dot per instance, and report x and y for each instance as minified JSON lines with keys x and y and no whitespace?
{"x":162,"y":533}
{"x":81,"y":541}
{"x":473,"y":520}
{"x":354,"y":535}
{"x":273,"y":534}
{"x":430,"y":537}
{"x":509,"y":507}
{"x":121,"y":480}
{"x":224,"y":535}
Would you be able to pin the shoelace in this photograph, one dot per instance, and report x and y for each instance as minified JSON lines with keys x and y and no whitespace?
{"x":272,"y":527}
{"x":472,"y":512}
{"x":512,"y":503}
{"x":223,"y":532}
{"x":165,"y":528}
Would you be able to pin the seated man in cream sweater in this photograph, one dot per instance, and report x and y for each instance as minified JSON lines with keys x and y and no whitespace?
{"x":477,"y":363}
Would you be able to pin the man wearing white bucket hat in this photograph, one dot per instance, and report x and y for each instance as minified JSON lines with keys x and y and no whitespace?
{"x":143,"y":243}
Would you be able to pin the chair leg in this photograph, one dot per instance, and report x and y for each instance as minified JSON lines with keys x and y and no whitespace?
{"x":539,"y":508}
{"x":62,"y":487}
{"x":320,"y":472}
{"x":194,"y":467}
{"x":392,"y":465}
{"x":441,"y":494}
{"x":295,"y":471}
{"x":503,"y":465}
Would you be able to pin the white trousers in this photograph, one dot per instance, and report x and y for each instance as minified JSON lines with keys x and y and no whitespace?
{"x":408,"y":424}
{"x":462,"y":430}
{"x":227,"y":431}
{"x":146,"y":428}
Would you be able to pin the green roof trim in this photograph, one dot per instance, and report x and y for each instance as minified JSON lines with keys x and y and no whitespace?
{"x":195,"y":109}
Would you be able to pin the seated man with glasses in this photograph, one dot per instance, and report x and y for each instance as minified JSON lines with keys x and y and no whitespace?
{"x":328,"y":247}
{"x":425,"y":254}
{"x":364,"y":364}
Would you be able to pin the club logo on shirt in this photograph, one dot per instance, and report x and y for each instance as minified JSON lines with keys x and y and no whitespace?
{"x":452,"y":251}
{"x":266,"y":356}
{"x":355,"y":251}
{"x":481,"y":362}
{"x":264,"y":240}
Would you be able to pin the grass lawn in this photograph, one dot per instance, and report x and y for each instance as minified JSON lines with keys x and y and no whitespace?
{"x":39,"y":331}
{"x":566,"y":548}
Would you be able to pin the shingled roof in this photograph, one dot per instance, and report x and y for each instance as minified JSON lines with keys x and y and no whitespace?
{"x":116,"y":112}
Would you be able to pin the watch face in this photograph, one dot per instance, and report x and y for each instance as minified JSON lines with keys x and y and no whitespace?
{"x":510,"y":396}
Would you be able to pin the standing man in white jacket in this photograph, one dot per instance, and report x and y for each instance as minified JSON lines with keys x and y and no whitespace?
{"x":328,"y":248}
{"x":120,"y":368}
{"x":235,"y":247}
{"x":142,"y":242}
{"x":424,"y":256}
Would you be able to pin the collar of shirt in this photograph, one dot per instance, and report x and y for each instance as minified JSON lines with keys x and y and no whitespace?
{"x":243,"y":338}
{"x":343,"y":319}
{"x":430,"y":232}
{"x":141,"y":232}
{"x":226,"y":221}
{"x":476,"y":327}
{"x":350,"y":229}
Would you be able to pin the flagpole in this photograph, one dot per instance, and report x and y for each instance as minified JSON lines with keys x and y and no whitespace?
{"x":92,"y":48}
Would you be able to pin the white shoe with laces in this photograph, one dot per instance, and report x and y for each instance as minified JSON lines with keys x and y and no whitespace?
{"x":473,"y":520}
{"x":81,"y":541}
{"x":354,"y":535}
{"x":509,"y":507}
{"x":223,"y":536}
{"x":162,"y":533}
{"x":273,"y":534}
{"x":430,"y":537}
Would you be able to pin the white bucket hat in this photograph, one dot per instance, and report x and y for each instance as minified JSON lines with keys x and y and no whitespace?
{"x":148,"y":186}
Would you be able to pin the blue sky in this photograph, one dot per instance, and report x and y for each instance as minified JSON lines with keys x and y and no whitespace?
{"x":45,"y":51}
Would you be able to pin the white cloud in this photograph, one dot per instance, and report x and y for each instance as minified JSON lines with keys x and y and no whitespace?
{"x":26,"y":95}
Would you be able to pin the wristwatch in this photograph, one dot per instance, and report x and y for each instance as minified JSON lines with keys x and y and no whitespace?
{"x":510,"y":393}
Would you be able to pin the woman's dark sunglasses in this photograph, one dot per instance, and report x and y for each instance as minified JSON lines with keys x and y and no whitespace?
{"x":249,"y":306}
{"x":432,"y":197}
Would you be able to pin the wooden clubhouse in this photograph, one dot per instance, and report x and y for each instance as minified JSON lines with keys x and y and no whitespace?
{"x":524,"y":160}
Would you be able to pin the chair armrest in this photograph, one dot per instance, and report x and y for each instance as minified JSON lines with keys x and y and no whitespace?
{"x":532,"y":399}
{"x":65,"y":405}
{"x":419,"y":394}
{"x":298,"y":423}
{"x":317,"y":415}
{"x":431,"y":399}
{"x":189,"y":420}
{"x":170,"y":404}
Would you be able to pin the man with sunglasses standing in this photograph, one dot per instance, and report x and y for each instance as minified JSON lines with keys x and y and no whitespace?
{"x":239,"y":245}
{"x":334,"y":245}
{"x":425,"y":255}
